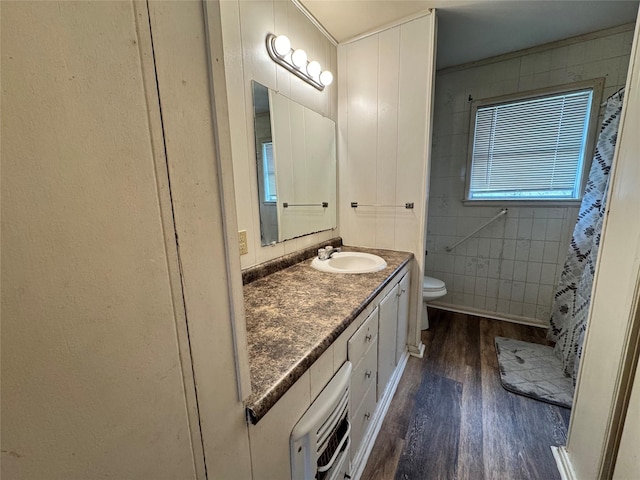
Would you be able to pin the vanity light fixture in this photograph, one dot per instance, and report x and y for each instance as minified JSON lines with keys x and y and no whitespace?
{"x":299,"y":58}
{"x":280,"y":51}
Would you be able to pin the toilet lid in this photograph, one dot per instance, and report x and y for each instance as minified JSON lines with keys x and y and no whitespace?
{"x":431,"y":284}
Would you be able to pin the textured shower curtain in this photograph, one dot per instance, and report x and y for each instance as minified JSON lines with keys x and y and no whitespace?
{"x":572,"y":298}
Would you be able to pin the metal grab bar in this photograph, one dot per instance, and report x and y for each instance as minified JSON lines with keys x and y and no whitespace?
{"x":502,"y":212}
{"x":323,"y":204}
{"x":408,"y":205}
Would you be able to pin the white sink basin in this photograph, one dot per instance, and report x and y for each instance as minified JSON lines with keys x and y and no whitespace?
{"x":350,"y":262}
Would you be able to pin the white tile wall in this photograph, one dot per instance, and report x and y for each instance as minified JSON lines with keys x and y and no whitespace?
{"x":510,"y":268}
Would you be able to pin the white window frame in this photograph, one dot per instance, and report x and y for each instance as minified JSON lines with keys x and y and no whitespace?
{"x":597,"y":85}
{"x":265,"y":172}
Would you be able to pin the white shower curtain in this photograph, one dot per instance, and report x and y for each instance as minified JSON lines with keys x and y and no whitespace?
{"x":573,"y":295}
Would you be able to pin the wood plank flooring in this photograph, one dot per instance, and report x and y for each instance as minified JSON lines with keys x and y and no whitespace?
{"x":450,"y":418}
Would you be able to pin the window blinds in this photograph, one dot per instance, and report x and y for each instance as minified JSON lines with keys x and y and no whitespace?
{"x":530,"y":149}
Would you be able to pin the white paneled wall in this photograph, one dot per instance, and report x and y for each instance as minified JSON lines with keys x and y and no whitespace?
{"x":245,"y":27}
{"x":385,"y":88}
{"x":509,"y":269}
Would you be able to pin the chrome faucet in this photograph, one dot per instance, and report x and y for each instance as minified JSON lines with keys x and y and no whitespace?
{"x":326,"y":252}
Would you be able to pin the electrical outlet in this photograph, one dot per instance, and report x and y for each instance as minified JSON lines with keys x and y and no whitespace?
{"x":242,"y":242}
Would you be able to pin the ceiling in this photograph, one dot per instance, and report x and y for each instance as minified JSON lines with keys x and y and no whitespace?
{"x":472,"y":30}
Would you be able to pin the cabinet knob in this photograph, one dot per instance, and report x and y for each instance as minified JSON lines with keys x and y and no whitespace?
{"x":368,"y":374}
{"x":368,"y":338}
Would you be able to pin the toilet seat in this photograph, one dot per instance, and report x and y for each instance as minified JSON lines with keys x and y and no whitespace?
{"x":432,"y":289}
{"x":432,"y":285}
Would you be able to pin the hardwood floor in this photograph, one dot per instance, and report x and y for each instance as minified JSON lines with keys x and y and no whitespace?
{"x":450,"y":418}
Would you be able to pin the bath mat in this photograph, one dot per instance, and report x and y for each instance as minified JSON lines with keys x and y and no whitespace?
{"x":533,"y":370}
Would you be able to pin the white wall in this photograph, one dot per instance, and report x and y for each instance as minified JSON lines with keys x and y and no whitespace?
{"x":93,"y":351}
{"x":615,"y":300}
{"x":385,"y":91}
{"x":245,"y":27}
{"x":509,"y":269}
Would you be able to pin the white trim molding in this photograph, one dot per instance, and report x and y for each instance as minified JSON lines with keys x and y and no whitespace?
{"x":563,"y":463}
{"x":315,"y":21}
{"x":505,"y":317}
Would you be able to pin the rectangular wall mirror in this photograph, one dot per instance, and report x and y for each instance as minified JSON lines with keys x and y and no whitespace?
{"x":296,"y":164}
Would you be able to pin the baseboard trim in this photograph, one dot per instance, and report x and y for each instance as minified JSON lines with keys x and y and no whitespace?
{"x":417,"y":351}
{"x":532,"y":322}
{"x":563,"y":463}
{"x":369,"y":438}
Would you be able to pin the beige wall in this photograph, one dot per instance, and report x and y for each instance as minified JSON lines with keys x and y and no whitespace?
{"x":92,"y":367}
{"x":245,"y":27}
{"x":196,"y":167}
{"x":98,"y":370}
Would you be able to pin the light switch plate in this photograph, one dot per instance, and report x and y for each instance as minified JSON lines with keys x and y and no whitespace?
{"x":242,"y":242}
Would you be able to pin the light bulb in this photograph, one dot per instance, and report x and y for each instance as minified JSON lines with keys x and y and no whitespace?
{"x":282,"y":45}
{"x":314,"y":69}
{"x":299,"y":58}
{"x":326,"y":78}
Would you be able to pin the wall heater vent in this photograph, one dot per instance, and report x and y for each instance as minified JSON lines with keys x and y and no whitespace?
{"x":320,"y":440}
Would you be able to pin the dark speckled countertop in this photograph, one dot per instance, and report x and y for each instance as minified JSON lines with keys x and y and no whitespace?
{"x":295,"y":314}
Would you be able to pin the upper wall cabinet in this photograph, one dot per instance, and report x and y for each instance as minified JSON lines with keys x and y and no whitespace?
{"x":296,"y":164}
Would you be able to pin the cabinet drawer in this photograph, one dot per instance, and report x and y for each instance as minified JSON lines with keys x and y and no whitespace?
{"x":364,"y":337}
{"x":362,"y":418}
{"x":364,"y":374}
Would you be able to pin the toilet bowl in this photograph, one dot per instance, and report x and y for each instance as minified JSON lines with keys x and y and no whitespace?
{"x":432,"y":289}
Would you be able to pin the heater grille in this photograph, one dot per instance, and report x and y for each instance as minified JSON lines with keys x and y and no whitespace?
{"x":320,"y":440}
{"x":336,"y":441}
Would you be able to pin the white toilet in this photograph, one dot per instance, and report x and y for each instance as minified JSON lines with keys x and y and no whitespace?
{"x":432,"y":289}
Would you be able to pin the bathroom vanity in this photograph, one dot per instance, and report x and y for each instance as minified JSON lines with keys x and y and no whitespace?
{"x":302,"y":326}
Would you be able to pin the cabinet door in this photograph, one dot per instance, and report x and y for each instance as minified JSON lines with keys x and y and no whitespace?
{"x":388,"y":325}
{"x":403,"y":316}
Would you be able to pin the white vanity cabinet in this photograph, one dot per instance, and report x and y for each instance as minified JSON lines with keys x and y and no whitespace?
{"x":376,"y":350}
{"x":392,"y":336}
{"x":362,"y":348}
{"x":374,"y":343}
{"x":388,"y":329}
{"x":363,"y":354}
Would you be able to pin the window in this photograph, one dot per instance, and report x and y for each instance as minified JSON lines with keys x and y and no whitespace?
{"x":533,"y":147}
{"x":269,"y":172}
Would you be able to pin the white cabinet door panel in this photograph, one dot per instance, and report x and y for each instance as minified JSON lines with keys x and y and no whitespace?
{"x":388,"y":324}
